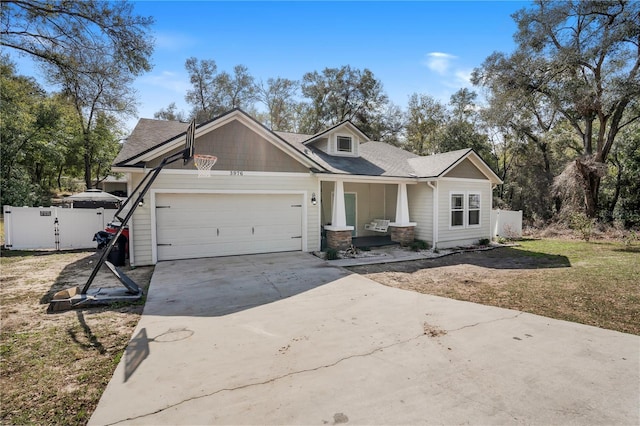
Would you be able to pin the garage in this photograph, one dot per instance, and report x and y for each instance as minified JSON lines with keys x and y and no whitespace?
{"x":207,"y":225}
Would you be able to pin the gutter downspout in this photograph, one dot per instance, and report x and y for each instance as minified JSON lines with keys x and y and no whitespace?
{"x":435,"y":212}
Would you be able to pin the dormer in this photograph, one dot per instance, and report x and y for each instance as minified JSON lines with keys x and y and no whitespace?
{"x":341,"y":140}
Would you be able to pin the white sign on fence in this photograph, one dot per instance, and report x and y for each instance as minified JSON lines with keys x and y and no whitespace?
{"x":506,"y":223}
{"x":43,"y":228}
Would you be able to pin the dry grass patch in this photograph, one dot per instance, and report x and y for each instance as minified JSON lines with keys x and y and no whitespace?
{"x":56,"y":366}
{"x":591,"y":283}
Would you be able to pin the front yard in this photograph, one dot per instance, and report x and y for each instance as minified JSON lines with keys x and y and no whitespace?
{"x":594,"y":283}
{"x":56,"y":366}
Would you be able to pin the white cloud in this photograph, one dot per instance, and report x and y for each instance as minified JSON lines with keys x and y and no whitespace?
{"x":173,"y":41}
{"x":464,"y":77}
{"x":438,"y":62}
{"x":175,"y":82}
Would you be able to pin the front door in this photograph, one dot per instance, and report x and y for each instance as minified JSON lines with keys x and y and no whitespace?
{"x":350,"y":210}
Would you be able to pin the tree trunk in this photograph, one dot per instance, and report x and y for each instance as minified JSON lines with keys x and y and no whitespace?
{"x":591,"y":185}
{"x":87,"y":161}
{"x":616,"y":194}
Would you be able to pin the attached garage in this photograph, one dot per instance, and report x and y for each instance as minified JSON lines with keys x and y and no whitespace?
{"x":193,"y":225}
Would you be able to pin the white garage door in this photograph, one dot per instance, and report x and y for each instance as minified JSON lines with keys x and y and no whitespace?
{"x":206,"y":225}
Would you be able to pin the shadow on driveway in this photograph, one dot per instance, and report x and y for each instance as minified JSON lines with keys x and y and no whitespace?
{"x":220,"y":286}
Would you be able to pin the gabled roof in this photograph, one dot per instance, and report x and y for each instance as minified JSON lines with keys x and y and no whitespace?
{"x":345,"y":124}
{"x":152,"y":138}
{"x":438,"y":165}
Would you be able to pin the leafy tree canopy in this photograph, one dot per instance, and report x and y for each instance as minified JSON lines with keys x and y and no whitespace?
{"x":52,"y":31}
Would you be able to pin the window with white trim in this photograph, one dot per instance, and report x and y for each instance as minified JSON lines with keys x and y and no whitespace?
{"x":457,"y":210}
{"x":464,"y":209}
{"x":473,"y":209}
{"x":344,"y":144}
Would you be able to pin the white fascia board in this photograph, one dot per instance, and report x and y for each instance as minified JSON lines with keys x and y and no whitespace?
{"x":486,"y":170}
{"x":121,"y":169}
{"x":237,"y":173}
{"x":459,"y":179}
{"x":365,"y":179}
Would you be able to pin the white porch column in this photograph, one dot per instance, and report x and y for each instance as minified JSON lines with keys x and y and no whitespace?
{"x":338,"y":213}
{"x":402,"y":207}
{"x":338,"y":209}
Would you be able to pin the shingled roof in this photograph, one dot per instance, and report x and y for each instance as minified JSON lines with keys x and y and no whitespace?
{"x":437,"y":164}
{"x":147,"y":135}
{"x":376,"y":158}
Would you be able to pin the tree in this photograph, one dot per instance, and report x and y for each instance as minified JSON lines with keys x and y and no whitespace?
{"x":52,"y":30}
{"x":278,"y":95}
{"x":339,"y":94}
{"x":237,"y":91}
{"x":170,"y":113}
{"x":103,"y":90}
{"x":91,"y":49}
{"x":463,"y":129}
{"x":213,"y":94}
{"x":36,"y":137}
{"x":581,"y":59}
{"x":426,"y":118}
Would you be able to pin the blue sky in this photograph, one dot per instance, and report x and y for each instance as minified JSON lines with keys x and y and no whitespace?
{"x":425,"y":47}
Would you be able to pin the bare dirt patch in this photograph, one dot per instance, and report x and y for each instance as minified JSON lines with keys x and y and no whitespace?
{"x":593,"y":284}
{"x":56,"y":366}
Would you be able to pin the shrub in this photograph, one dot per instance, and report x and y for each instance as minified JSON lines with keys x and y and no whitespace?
{"x":484,"y":241}
{"x":418,"y":245}
{"x":630,"y":238}
{"x":584,"y":225}
{"x":332,"y":254}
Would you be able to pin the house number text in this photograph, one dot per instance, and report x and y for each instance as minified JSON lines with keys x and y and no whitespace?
{"x":236,"y":173}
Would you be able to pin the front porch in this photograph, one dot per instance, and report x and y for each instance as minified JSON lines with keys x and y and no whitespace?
{"x":350,"y":205}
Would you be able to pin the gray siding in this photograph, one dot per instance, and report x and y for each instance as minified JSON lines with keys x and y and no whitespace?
{"x":239,"y":148}
{"x":466,"y":170}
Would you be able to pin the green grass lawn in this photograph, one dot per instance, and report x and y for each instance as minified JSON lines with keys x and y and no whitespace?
{"x":601,"y":287}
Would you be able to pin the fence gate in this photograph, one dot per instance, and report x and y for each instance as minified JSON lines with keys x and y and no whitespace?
{"x":46,"y":228}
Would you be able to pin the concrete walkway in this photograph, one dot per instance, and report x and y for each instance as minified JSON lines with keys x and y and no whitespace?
{"x":285,"y":339}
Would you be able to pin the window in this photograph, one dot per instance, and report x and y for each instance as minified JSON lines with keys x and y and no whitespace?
{"x":465,"y":209}
{"x":344,"y":144}
{"x":474,"y":210}
{"x":457,"y":209}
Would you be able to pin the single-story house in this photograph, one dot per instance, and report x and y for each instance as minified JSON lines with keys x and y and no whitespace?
{"x":275,"y":191}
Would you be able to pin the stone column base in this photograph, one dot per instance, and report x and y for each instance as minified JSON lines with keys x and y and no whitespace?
{"x":403,"y":234}
{"x":339,"y":240}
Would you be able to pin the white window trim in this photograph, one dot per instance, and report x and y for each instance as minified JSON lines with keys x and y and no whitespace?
{"x":348,"y":139}
{"x":451,"y":210}
{"x":354,"y":145}
{"x":465,"y":209}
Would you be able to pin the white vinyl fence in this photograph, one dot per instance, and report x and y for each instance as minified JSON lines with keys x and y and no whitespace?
{"x":506,"y":223}
{"x":42,"y":228}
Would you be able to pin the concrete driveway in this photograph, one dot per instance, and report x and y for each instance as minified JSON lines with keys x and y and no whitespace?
{"x":285,"y":339}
